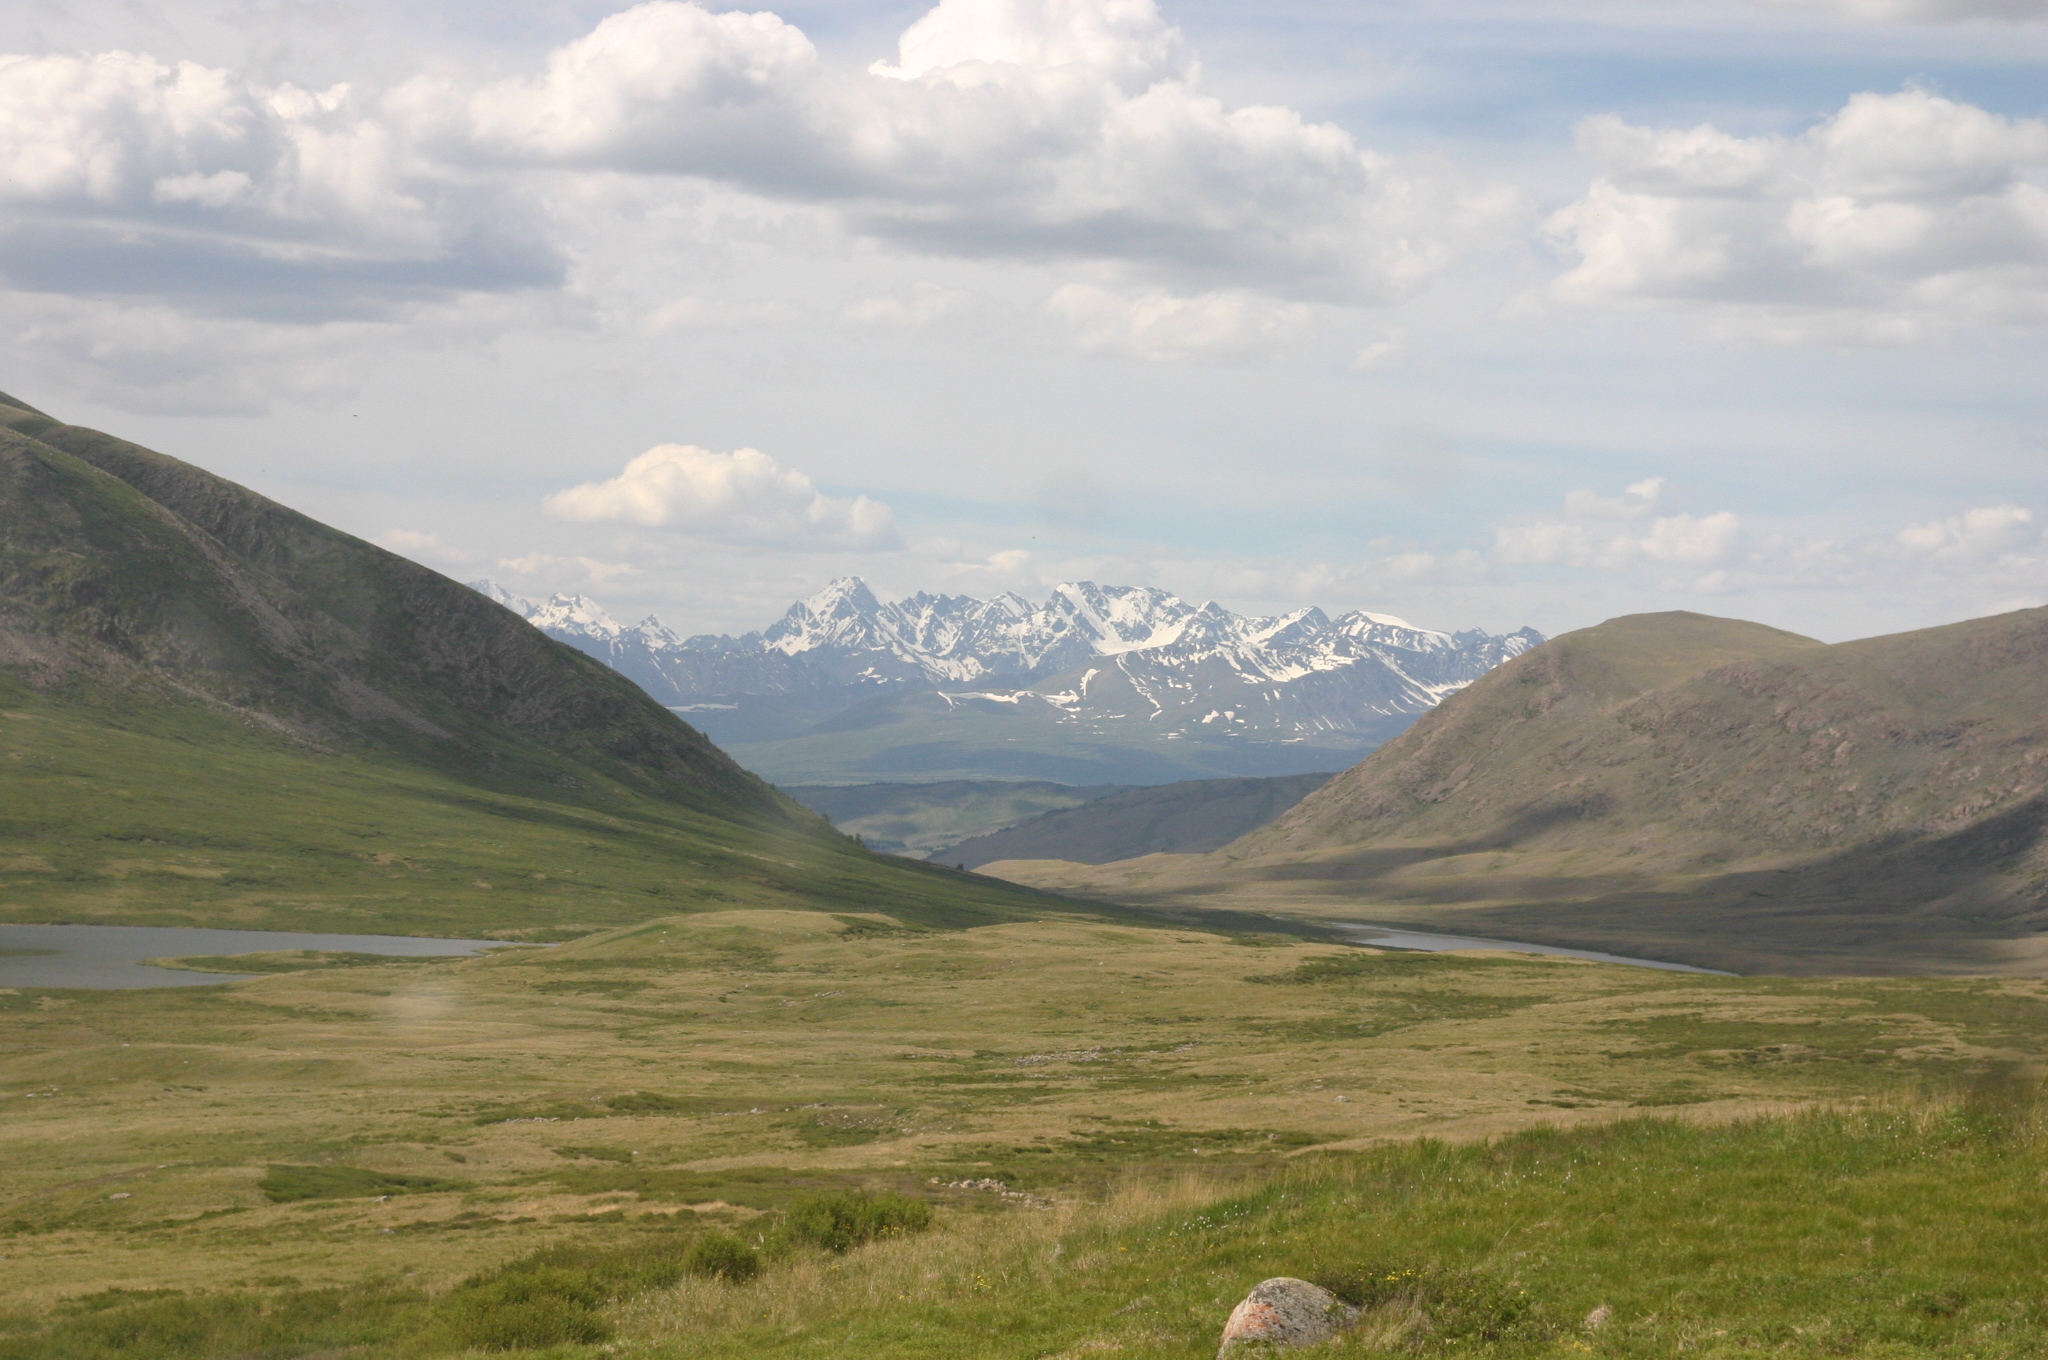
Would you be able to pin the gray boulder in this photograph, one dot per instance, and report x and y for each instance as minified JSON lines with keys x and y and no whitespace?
{"x":1283,"y":1313}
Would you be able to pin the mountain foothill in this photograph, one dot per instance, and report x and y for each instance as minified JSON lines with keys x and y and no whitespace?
{"x":1700,"y":789}
{"x":217,"y":711}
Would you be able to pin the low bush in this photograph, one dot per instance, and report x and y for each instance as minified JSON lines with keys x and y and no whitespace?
{"x":168,"y":1325}
{"x":523,"y":1308}
{"x":839,"y":1221}
{"x":288,"y":1184}
{"x":721,"y":1256}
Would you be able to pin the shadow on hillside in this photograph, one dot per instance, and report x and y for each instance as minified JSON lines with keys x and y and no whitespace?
{"x":1876,"y":906}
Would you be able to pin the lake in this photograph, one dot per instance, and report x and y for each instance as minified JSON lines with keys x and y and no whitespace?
{"x":1409,"y":939}
{"x":111,"y":956}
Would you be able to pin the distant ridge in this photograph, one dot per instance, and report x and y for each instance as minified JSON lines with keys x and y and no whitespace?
{"x":1167,"y":819}
{"x":1099,"y":684}
{"x":1694,"y":788}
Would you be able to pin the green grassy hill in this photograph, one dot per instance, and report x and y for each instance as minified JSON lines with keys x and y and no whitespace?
{"x":214,"y":710}
{"x":1692,"y":788}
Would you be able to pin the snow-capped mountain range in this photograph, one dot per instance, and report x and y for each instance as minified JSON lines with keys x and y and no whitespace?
{"x":1116,"y":664}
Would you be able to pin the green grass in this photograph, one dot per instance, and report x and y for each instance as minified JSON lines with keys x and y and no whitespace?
{"x":290,"y":1184}
{"x":1903,"y":1231}
{"x":121,"y":810}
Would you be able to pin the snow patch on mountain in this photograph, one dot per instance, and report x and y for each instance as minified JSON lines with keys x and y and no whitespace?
{"x":1094,"y":656}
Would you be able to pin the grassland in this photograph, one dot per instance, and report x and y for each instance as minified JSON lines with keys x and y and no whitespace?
{"x":1170,"y":1116}
{"x":114,"y":808}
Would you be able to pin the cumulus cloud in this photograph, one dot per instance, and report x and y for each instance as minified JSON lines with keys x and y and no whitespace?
{"x":662,"y":86}
{"x":1674,"y":540}
{"x":739,"y":497}
{"x":1157,"y":325}
{"x":1053,"y":129}
{"x":121,"y":174}
{"x":1070,"y":129}
{"x":1902,"y":217}
{"x":1992,"y":547}
{"x":1986,"y":533}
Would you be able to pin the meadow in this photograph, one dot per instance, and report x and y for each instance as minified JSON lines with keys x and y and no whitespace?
{"x":120,"y":809}
{"x":1116,"y":1131}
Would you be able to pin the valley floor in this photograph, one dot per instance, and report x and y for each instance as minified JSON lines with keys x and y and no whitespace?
{"x":1170,"y":1116}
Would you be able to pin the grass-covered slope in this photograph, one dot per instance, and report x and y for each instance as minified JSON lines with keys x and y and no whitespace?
{"x":216,"y":710}
{"x":1188,"y":817}
{"x":1696,"y":788}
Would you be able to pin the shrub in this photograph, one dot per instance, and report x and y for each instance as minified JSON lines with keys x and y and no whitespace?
{"x":721,"y":1256}
{"x":553,"y":1297}
{"x":839,"y":1221}
{"x":524,"y":1310}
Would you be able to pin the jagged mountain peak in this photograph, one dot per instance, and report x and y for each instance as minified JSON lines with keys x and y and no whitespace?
{"x":1095,"y":665}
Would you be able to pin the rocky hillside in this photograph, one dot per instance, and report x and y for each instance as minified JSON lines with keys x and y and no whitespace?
{"x":1109,"y":684}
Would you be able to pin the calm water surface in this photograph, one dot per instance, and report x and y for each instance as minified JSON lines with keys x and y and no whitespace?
{"x":1408,"y":939}
{"x":111,"y":956}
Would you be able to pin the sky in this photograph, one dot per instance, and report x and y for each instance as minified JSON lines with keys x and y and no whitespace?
{"x":1482,"y":313}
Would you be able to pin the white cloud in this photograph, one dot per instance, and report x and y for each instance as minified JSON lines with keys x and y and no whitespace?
{"x":1988,"y":532}
{"x":1073,"y":129}
{"x":1902,"y":217}
{"x":124,"y":175}
{"x":662,"y":86}
{"x":921,"y":306}
{"x":1635,"y":501}
{"x":967,"y":41}
{"x":1983,"y":549}
{"x":1158,"y":325}
{"x":1061,"y":129}
{"x":699,"y":313}
{"x":1920,"y":11}
{"x":422,"y":547}
{"x":739,"y":497}
{"x":589,"y":569}
{"x":1681,"y":540}
{"x":1381,"y":352}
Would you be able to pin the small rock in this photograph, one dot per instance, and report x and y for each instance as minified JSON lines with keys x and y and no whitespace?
{"x":1598,"y":1318}
{"x":1285,"y":1312}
